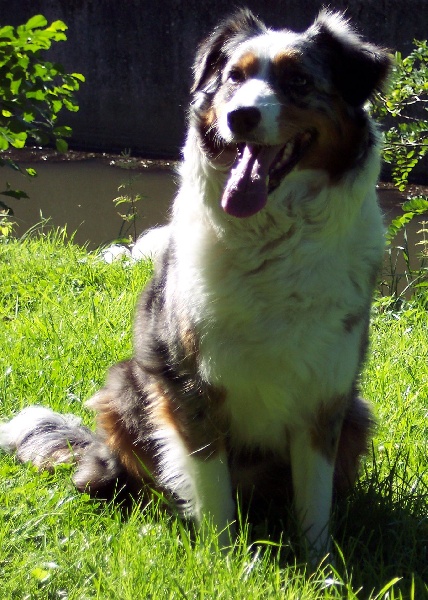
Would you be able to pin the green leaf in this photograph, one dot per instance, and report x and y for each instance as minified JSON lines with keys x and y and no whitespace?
{"x":397,"y":224}
{"x":78,"y":76}
{"x":63,"y":131}
{"x":19,"y":139}
{"x":58,"y":26}
{"x":15,"y":85}
{"x":61,"y":145}
{"x":4,"y":144}
{"x":7,"y":32}
{"x":70,"y":106}
{"x":28,"y":117}
{"x":56,"y":105}
{"x":121,"y":200}
{"x":416,"y":205}
{"x":35,"y":22}
{"x":23,"y":61}
{"x":36,"y":95}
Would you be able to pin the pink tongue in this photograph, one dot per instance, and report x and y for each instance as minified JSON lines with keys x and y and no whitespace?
{"x":246,"y":189}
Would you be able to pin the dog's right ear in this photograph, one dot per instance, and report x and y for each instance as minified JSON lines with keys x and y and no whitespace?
{"x":358,"y":68}
{"x":214,"y":52}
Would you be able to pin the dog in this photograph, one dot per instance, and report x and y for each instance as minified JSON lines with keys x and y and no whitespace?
{"x":250,"y":337}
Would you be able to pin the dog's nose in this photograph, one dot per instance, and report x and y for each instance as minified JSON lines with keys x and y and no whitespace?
{"x":243,"y":120}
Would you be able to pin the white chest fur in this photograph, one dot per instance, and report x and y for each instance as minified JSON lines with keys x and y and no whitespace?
{"x":269,"y":296}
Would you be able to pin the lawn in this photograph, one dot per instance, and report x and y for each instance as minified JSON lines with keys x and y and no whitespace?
{"x":65,"y":317}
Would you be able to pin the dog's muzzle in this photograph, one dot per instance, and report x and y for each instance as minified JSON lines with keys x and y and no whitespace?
{"x":258,"y":169}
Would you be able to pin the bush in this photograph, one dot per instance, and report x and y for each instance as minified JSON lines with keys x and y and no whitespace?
{"x":403,"y":110}
{"x":33,"y":90}
{"x":403,"y":114}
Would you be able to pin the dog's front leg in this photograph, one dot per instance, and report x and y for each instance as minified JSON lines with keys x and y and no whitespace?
{"x":313,"y":455}
{"x":214,"y":503}
{"x":200,"y":480}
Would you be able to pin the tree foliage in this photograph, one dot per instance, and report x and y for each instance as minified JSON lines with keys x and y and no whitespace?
{"x":404,"y":113}
{"x":33,"y":90}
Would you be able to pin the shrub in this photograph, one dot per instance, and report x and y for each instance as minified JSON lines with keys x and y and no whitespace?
{"x":402,"y":112}
{"x":33,"y":90}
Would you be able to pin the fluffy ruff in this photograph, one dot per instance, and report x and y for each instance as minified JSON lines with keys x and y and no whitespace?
{"x":250,"y":337}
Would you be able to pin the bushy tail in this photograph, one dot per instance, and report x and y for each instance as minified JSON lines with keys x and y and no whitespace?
{"x":46,"y":439}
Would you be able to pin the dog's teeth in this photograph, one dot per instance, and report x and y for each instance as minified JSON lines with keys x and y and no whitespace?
{"x":288,"y":151}
{"x":286,"y":155}
{"x":282,"y":162}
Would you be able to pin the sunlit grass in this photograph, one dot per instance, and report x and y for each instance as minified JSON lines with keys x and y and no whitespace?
{"x":65,"y":317}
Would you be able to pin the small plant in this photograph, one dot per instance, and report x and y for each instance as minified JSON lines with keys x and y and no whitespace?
{"x":424,"y":241}
{"x":128,"y":229}
{"x":6,"y":224}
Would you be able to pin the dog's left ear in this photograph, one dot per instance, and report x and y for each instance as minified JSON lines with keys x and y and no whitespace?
{"x":358,"y":68}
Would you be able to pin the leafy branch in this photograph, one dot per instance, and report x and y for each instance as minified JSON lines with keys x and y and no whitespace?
{"x":33,"y":90}
{"x":403,"y":112}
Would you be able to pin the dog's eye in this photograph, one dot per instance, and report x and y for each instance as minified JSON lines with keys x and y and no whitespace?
{"x":298,"y":81}
{"x":236,"y":75}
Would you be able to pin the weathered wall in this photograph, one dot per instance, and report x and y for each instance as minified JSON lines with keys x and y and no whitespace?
{"x":136,"y":56}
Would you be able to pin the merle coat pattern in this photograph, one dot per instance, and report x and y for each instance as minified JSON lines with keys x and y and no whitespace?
{"x":250,"y":337}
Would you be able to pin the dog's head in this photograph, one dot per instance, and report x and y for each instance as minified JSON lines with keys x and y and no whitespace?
{"x":278,"y":100}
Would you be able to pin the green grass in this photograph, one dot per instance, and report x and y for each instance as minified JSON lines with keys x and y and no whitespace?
{"x":65,"y":317}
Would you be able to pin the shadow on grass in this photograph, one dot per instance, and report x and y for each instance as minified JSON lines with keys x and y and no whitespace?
{"x":382,"y":528}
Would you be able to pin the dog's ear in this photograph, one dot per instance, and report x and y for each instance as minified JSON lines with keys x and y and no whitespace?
{"x":358,"y":68}
{"x":214,"y":52}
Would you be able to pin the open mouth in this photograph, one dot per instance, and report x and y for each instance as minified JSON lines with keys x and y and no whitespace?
{"x":258,"y":171}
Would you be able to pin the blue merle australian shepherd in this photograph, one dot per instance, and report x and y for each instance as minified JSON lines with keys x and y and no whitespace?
{"x":250,"y":337}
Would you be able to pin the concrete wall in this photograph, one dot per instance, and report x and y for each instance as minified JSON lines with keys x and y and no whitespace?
{"x":136,"y":56}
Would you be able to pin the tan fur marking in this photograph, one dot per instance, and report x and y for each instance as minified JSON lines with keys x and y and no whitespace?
{"x":219,"y":152}
{"x":160,"y":409}
{"x":326,"y":428}
{"x":337,"y":142}
{"x":249,"y":64}
{"x":208,"y":118}
{"x":190,"y":405}
{"x":137,"y":461}
{"x":339,"y":137}
{"x":189,"y":342}
{"x":285,"y":59}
